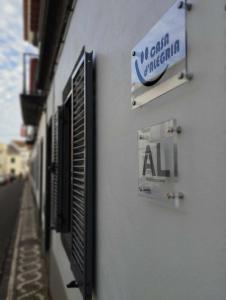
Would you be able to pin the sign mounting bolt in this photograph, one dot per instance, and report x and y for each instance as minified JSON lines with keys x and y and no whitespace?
{"x":181,"y":76}
{"x":189,"y":76}
{"x":187,"y":6}
{"x":179,"y":129}
{"x":170,"y":195}
{"x":180,"y":5}
{"x":170,"y":130}
{"x":180,"y":195}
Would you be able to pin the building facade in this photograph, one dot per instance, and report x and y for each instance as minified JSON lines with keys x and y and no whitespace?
{"x":3,"y":153}
{"x":102,"y":230}
{"x":14,"y":158}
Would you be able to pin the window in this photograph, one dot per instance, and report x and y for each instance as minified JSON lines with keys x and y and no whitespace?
{"x":82,"y":170}
{"x":13,"y":160}
{"x":72,"y":177}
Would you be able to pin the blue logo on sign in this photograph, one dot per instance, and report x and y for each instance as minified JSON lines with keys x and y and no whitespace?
{"x":153,"y":58}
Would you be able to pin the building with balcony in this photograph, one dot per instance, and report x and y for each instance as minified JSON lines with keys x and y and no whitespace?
{"x":129,"y":188}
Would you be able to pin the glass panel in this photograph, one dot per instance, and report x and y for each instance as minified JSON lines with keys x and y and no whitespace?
{"x":158,"y":168}
{"x":159,"y":59}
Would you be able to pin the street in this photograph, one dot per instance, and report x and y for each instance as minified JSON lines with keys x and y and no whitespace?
{"x":10,"y":196}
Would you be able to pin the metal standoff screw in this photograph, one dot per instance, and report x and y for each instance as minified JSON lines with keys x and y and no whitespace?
{"x":189,"y":76}
{"x":144,"y":137}
{"x":133,"y":53}
{"x":145,"y":189}
{"x":179,"y":129}
{"x":170,"y":195}
{"x":170,"y":130}
{"x":187,"y":6}
{"x":181,"y":76}
{"x":180,"y":5}
{"x":180,"y":195}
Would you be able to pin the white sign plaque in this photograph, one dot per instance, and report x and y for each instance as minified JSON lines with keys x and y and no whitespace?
{"x":158,"y":61}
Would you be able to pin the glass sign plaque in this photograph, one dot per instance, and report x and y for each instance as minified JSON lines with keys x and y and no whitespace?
{"x":158,"y":61}
{"x":158,"y":168}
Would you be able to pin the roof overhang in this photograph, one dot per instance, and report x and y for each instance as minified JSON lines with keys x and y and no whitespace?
{"x":53,"y":20}
{"x":31,"y":107}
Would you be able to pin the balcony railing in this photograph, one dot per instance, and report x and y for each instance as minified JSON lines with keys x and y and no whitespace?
{"x":32,"y":100}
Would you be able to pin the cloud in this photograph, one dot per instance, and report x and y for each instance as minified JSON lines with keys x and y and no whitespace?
{"x":12,"y":47}
{"x":9,"y":9}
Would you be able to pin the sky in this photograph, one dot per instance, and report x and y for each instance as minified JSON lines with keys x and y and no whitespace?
{"x":12,"y":47}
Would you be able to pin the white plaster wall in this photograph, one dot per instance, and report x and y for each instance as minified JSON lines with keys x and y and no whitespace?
{"x":145,"y":251}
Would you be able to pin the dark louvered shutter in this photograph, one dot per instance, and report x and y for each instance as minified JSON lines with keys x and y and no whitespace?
{"x":58,"y":208}
{"x":54,"y":170}
{"x":63,"y":169}
{"x":59,"y":170}
{"x":48,"y":184}
{"x":83,"y":174}
{"x":66,"y":213}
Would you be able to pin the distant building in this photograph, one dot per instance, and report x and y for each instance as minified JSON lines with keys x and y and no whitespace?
{"x":14,"y":158}
{"x":3,"y":154}
{"x":13,"y":161}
